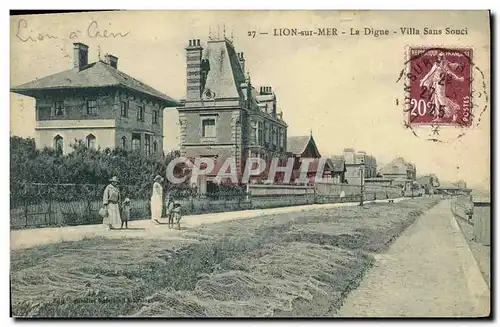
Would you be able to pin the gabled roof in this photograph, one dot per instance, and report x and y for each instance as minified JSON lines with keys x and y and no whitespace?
{"x":225,"y":75}
{"x":298,"y":144}
{"x":94,"y":75}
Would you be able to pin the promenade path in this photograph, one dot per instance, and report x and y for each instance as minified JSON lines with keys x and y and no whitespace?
{"x":429,"y":271}
{"x":26,"y":238}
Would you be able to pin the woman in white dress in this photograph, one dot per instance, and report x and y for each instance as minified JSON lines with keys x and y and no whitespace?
{"x":111,"y":200}
{"x":435,"y":79}
{"x":157,"y":199}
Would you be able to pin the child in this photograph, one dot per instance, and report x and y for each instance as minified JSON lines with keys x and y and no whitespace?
{"x":170,"y":211}
{"x":125,"y":212}
{"x":176,"y":214}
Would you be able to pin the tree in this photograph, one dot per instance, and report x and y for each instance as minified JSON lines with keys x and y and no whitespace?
{"x":82,"y":166}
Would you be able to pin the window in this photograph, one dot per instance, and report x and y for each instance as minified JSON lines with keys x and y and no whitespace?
{"x":155,"y":147}
{"x":136,"y":141}
{"x":59,"y":108}
{"x":124,"y":109}
{"x":253,"y":134}
{"x":155,"y":116}
{"x":208,"y":127}
{"x":267,"y":132}
{"x":58,"y":143}
{"x":90,"y":141}
{"x":140,"y":113}
{"x":91,"y":107}
{"x":275,"y":136}
{"x":261,"y":133}
{"x":148,"y":144}
{"x":124,"y":142}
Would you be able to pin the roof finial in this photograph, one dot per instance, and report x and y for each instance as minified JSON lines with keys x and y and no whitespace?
{"x":99,"y":52}
{"x":232,"y":36}
{"x":310,"y":132}
{"x":218,"y":32}
{"x":224,"y":26}
{"x":210,"y":32}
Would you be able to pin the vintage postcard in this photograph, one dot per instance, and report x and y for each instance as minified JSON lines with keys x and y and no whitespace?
{"x":250,"y":164}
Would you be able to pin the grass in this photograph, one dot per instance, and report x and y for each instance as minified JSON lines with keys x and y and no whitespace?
{"x":300,"y":264}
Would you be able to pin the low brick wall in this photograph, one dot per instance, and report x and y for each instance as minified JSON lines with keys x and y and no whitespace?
{"x":259,"y":190}
{"x":372,"y":192}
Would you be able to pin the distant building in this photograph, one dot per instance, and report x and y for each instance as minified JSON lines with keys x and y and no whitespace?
{"x":300,"y":147}
{"x":353,"y":162}
{"x":430,"y":183}
{"x":339,"y":169}
{"x":400,"y":171}
{"x":223,"y":115}
{"x":98,"y":104}
{"x":460,"y":184}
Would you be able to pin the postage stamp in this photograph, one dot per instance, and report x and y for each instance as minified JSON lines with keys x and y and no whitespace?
{"x":440,"y":86}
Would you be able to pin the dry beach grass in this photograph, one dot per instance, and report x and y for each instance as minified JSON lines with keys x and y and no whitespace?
{"x":299,"y":264}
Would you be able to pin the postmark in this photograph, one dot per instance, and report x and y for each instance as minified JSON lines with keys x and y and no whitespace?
{"x":442,"y":89}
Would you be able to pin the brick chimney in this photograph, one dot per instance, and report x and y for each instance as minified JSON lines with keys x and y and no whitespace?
{"x":194,"y":71}
{"x":241,"y":59}
{"x":111,"y":60}
{"x":80,"y":55}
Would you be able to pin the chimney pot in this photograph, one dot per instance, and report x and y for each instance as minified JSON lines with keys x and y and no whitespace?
{"x":190,"y":43}
{"x":241,"y":55}
{"x":198,"y":42}
{"x":111,"y":60}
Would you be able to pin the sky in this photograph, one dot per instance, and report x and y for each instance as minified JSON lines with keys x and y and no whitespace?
{"x":343,"y":87}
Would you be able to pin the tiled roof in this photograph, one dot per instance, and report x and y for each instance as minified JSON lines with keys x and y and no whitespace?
{"x":97,"y":74}
{"x":225,"y":75}
{"x":297,"y":144}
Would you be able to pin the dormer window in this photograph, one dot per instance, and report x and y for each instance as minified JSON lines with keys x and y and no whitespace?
{"x":59,"y":108}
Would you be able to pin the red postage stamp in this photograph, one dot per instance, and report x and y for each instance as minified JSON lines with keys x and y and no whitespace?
{"x":440,"y":82}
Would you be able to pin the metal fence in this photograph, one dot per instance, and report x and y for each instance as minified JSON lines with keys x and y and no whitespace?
{"x":43,"y":205}
{"x":462,"y":207}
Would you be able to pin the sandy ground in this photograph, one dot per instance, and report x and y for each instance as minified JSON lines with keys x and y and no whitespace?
{"x":27,"y":238}
{"x":428,"y":272}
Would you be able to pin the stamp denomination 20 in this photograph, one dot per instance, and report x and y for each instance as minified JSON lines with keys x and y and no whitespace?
{"x":440,"y":86}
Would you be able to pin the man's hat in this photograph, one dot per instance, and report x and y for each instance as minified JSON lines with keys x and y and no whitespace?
{"x":114,"y":179}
